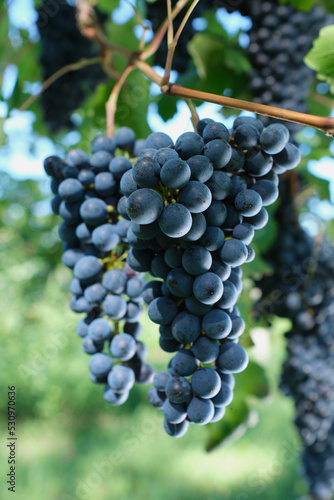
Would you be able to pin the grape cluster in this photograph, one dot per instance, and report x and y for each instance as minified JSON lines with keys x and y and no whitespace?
{"x":194,"y":207}
{"x":87,"y":191}
{"x":61,"y":44}
{"x":304,"y":276}
{"x":280,"y":38}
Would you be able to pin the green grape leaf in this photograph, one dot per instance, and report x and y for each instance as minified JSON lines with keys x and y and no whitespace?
{"x":300,"y":4}
{"x":252,"y":382}
{"x":321,"y":56}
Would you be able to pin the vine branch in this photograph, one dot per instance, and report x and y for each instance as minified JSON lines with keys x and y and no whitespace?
{"x":83,"y":63}
{"x":111,"y":104}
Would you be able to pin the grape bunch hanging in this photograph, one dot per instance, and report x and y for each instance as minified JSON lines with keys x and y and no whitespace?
{"x":303,"y":273}
{"x":185,"y":213}
{"x":280,"y":38}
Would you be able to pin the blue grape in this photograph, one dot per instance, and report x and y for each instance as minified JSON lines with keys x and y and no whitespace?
{"x":160,"y":381}
{"x":176,"y":430}
{"x":81,"y":305}
{"x":229,"y":297}
{"x":216,"y":214}
{"x":128,"y":184}
{"x":201,"y":168}
{"x":238,"y":326}
{"x":218,"y":414}
{"x":119,"y":165}
{"x":100,"y":364}
{"x":208,"y":288}
{"x":125,"y":138}
{"x":82,"y":327}
{"x":232,"y":358}
{"x":99,"y":330}
{"x":77,"y":157}
{"x":114,"y":281}
{"x":251,"y":254}
{"x":115,"y":398}
{"x":222,"y":270}
{"x":178,"y":390}
{"x":175,"y":174}
{"x":105,"y":237}
{"x":205,"y":349}
{"x":217,"y":324}
{"x":162,"y":310}
{"x":82,"y":232}
{"x":267,"y":190}
{"x":224,"y":396}
{"x":94,"y":211}
{"x":186,"y":327}
{"x":151,"y":291}
{"x":213,"y":238}
{"x":158,"y":140}
{"x":71,"y":190}
{"x":259,"y":220}
{"x":236,"y":280}
{"x":202,"y":124}
{"x":139,"y":260}
{"x":100,"y":161}
{"x":134,"y":287}
{"x":146,"y":172}
{"x":165,"y":154}
{"x":169,"y":345}
{"x":166,"y":331}
{"x":156,"y":398}
{"x":233,"y":252}
{"x":123,"y":347}
{"x":220,"y":185}
{"x":258,"y":163}
{"x":175,"y":220}
{"x":215,"y":130}
{"x":219,"y":153}
{"x":71,"y":256}
{"x":243,"y":232}
{"x":248,"y":203}
{"x":114,"y":306}
{"x":90,"y":346}
{"x":236,"y":162}
{"x":198,"y":228}
{"x":189,"y":144}
{"x":134,"y":329}
{"x":196,"y":307}
{"x":196,"y":196}
{"x":288,"y":158}
{"x":70,"y":212}
{"x":144,"y":206}
{"x":246,"y":136}
{"x":184,"y":363}
{"x":173,"y":256}
{"x":86,"y":177}
{"x":205,"y":383}
{"x":274,"y":138}
{"x":121,"y":378}
{"x":105,"y":184}
{"x":174,"y":413}
{"x":200,"y":411}
{"x":159,"y":268}
{"x":102,"y":142}
{"x":95,"y":293}
{"x":179,"y":282}
{"x":76,"y":287}
{"x":196,"y":260}
{"x":88,"y":269}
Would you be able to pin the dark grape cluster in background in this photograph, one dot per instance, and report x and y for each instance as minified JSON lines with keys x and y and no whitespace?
{"x":61,"y":44}
{"x":280,"y":38}
{"x":302,"y":288}
{"x":87,"y":191}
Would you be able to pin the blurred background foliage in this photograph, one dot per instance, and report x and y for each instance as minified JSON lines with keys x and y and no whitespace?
{"x":72,"y":444}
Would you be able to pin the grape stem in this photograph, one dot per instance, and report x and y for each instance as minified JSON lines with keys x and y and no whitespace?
{"x":111,"y":104}
{"x":194,"y":114}
{"x":173,"y":43}
{"x":83,"y":63}
{"x":156,"y":42}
